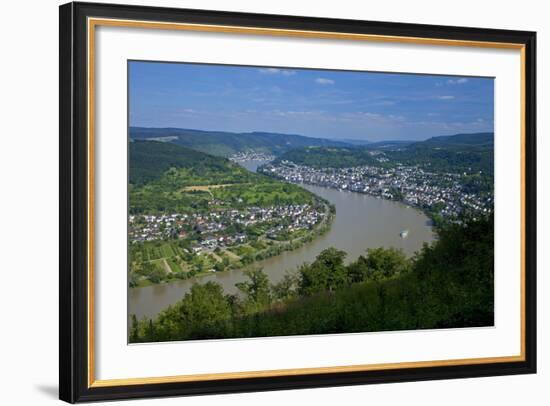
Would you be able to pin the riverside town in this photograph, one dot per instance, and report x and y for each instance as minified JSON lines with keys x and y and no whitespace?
{"x":441,"y":193}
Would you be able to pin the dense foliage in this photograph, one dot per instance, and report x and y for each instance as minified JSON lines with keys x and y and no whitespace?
{"x":150,"y":160}
{"x":470,"y":159}
{"x":449,"y":284}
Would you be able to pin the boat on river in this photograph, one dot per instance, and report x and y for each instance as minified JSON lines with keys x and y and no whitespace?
{"x":404,"y":233}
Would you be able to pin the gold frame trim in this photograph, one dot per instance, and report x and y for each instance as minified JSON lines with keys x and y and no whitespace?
{"x":94,"y":22}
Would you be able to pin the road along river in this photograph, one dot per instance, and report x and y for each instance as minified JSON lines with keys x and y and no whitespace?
{"x":361,"y":222}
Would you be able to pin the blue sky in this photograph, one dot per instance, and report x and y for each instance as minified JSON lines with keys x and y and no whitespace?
{"x":315,"y":103}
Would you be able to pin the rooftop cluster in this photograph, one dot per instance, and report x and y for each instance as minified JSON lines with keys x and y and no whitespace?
{"x":442,"y":192}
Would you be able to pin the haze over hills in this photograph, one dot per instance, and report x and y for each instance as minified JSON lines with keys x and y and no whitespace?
{"x":227,"y":143}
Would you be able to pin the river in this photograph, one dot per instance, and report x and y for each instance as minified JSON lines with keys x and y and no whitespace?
{"x":361,"y":222}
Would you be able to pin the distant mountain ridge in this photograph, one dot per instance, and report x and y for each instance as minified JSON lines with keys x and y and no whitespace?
{"x":391,"y":144}
{"x":485,"y":138}
{"x":353,"y":141}
{"x":457,"y":152}
{"x":325,"y":152}
{"x":466,"y":139}
{"x":222,"y":143}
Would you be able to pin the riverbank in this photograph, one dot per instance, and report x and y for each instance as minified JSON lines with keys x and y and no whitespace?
{"x":236,"y":257}
{"x":328,"y":296}
{"x":360,"y":222}
{"x":444,"y":196}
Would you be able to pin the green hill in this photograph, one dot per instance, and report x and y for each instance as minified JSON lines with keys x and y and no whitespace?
{"x":227,"y":143}
{"x":479,"y":139}
{"x":166,"y":177}
{"x":329,"y":157}
{"x":149,"y":160}
{"x":469,"y":153}
{"x":456,"y":153}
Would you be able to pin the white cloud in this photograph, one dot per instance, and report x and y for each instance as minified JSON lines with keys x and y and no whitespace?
{"x":445,"y":97}
{"x":324,"y":81}
{"x":355,"y":117}
{"x":366,"y":116}
{"x":460,"y":81}
{"x":297,"y":114}
{"x":277,"y":71}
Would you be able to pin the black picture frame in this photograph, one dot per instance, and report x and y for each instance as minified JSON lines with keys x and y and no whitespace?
{"x":74,"y":199}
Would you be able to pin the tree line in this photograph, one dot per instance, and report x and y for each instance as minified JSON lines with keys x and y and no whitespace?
{"x":448,"y":284}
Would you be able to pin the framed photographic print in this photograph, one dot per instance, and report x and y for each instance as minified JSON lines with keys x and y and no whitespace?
{"x":257,"y":202}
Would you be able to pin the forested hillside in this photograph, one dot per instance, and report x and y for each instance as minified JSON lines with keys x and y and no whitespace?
{"x":325,"y":157}
{"x":169,"y":178}
{"x":479,"y":139}
{"x":227,"y":143}
{"x":469,"y":153}
{"x":149,"y":160}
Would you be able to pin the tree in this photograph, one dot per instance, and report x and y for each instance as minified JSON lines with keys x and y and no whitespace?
{"x":383,"y":263}
{"x":133,"y":279}
{"x":458,"y":273}
{"x":358,"y":270}
{"x":327,"y":272}
{"x":156,"y":274}
{"x":256,"y":289}
{"x":203,"y":312}
{"x":198,"y":264}
{"x":134,"y":330}
{"x":247,"y":258}
{"x":286,"y":288}
{"x":225,"y":261}
{"x":150,"y":332}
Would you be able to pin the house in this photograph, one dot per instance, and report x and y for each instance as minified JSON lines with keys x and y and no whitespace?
{"x":240,"y":238}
